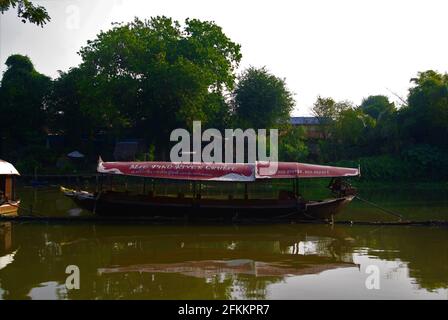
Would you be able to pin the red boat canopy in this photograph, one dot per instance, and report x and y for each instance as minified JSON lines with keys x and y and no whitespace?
{"x":223,"y":171}
{"x":285,"y":170}
{"x":181,"y":170}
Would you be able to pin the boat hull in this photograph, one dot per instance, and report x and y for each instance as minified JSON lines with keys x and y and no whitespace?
{"x":124,"y":205}
{"x":9,"y":208}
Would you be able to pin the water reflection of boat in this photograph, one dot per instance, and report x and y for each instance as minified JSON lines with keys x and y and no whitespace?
{"x":194,"y":205}
{"x":7,"y":251}
{"x":211,"y":268}
{"x":197,"y":262}
{"x":106,"y":254}
{"x":280,"y":253}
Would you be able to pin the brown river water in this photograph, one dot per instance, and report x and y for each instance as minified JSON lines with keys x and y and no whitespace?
{"x":282,"y":261}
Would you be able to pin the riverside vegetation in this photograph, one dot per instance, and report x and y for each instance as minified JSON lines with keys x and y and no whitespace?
{"x":144,"y":78}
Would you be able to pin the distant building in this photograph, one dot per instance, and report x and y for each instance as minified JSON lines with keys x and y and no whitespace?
{"x":313,"y":126}
{"x":127,"y":150}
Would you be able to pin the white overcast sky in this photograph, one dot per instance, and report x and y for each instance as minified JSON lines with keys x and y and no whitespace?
{"x":345,"y":49}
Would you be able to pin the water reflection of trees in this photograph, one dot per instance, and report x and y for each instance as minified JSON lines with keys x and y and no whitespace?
{"x":425,"y":250}
{"x":169,"y":262}
{"x":163,"y":262}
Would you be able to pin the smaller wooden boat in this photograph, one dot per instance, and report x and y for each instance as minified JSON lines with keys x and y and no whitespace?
{"x":9,"y":204}
{"x":195,"y":206}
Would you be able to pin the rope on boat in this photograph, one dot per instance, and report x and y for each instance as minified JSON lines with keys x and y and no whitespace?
{"x":381,"y":208}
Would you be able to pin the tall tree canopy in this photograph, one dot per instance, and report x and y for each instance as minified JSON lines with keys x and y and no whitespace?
{"x":261,"y":100}
{"x":327,"y":109}
{"x":351,"y":128}
{"x":377,"y":106}
{"x":22,"y":100}
{"x":292,"y":146}
{"x":383,"y":137}
{"x":66,"y":114}
{"x":425,"y":118}
{"x":26,"y":11}
{"x":156,"y":75}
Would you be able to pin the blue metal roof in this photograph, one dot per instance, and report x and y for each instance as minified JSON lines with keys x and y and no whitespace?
{"x":305,"y":120}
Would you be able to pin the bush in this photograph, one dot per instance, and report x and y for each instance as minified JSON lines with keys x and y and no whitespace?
{"x":427,"y":161}
{"x":35,"y":157}
{"x":421,"y":162}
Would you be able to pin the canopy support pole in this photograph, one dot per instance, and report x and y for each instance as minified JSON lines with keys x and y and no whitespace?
{"x":194,"y":189}
{"x":13,"y":188}
{"x":296,"y":181}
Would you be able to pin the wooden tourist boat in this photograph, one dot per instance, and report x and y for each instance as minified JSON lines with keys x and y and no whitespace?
{"x":8,"y":202}
{"x":196,"y":205}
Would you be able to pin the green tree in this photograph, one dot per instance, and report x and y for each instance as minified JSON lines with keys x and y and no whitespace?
{"x":377,"y":106}
{"x":26,"y":11}
{"x":327,"y":109}
{"x":66,"y":113}
{"x":384,"y":136}
{"x":22,"y":101}
{"x":347,"y":129}
{"x":150,"y":77}
{"x":261,"y":100}
{"x":425,"y":118}
{"x":351,"y":133}
{"x":351,"y":126}
{"x":292,"y":145}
